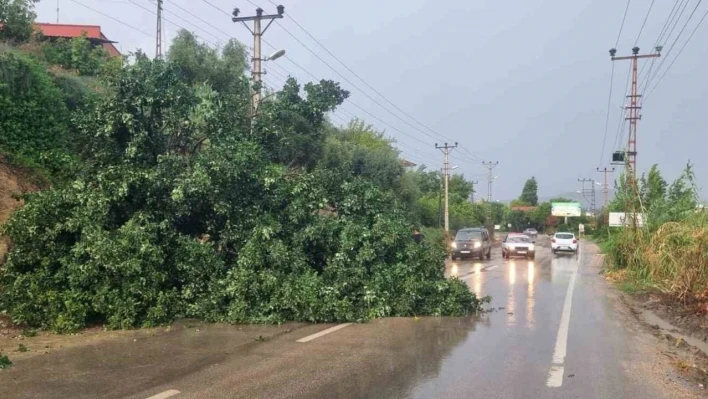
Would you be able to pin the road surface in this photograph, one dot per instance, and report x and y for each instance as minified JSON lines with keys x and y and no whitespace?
{"x":556,"y":331}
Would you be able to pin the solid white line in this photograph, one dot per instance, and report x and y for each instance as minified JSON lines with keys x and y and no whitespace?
{"x":562,"y":339}
{"x":492,"y":267}
{"x":323,"y":332}
{"x":165,"y":395}
{"x":555,"y":377}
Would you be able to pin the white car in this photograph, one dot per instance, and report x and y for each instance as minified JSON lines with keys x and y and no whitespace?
{"x":518,"y":245}
{"x":564,"y":242}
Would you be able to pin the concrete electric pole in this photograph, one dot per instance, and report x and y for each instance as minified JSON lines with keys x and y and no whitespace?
{"x":490,"y":178}
{"x":257,"y":59}
{"x":633,"y":115}
{"x":605,"y":187}
{"x":472,"y":195}
{"x":446,"y":149}
{"x":589,"y":192}
{"x":158,"y":33}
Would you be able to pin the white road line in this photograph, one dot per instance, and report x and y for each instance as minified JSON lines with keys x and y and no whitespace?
{"x":555,"y":374}
{"x":323,"y":332}
{"x":492,"y":267}
{"x":555,"y":377}
{"x":164,"y":395}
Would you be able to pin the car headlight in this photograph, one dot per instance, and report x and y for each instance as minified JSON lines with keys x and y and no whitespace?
{"x":532,"y":247}
{"x":477,"y":244}
{"x":453,"y":245}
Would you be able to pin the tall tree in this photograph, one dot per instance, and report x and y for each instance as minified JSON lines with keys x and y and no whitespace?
{"x":16,"y":18}
{"x":653,"y":187}
{"x":199,"y":63}
{"x":530,"y":192}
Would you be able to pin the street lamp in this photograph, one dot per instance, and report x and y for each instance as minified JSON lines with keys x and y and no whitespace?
{"x":275,"y":55}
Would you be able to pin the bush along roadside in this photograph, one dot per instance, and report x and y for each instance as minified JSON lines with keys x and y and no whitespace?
{"x":670,"y":252}
{"x":186,"y":212}
{"x":5,"y":362}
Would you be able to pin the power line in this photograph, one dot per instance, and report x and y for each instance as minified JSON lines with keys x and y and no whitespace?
{"x":624,"y":17}
{"x":673,"y":44}
{"x":372,"y":88}
{"x":114,"y":19}
{"x":622,"y":121}
{"x":317,"y":79}
{"x":644,"y":23}
{"x":677,"y":55}
{"x":607,"y":116}
{"x":173,"y":23}
{"x":439,"y":136}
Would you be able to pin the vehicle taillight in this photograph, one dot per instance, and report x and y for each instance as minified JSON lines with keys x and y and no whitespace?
{"x":575,"y":241}
{"x":553,"y":240}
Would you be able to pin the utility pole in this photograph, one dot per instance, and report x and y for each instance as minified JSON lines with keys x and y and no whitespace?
{"x":490,"y":178}
{"x":591,"y":192}
{"x":57,"y":11}
{"x":633,"y":115}
{"x":257,"y":59}
{"x":158,"y":34}
{"x":605,"y":187}
{"x":472,"y":195}
{"x":446,"y":149}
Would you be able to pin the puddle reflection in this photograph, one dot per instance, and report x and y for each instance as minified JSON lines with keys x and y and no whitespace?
{"x":478,"y":279}
{"x":511,"y":300}
{"x":454,"y":271}
{"x":530,"y":301}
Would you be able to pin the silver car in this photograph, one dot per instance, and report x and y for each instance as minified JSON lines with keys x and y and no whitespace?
{"x":531,"y":232}
{"x":518,"y":245}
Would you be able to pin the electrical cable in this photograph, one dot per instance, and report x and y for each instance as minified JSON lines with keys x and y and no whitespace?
{"x":644,"y":23}
{"x":677,"y":55}
{"x":607,"y":116}
{"x":673,"y":44}
{"x":114,"y":19}
{"x":624,"y":18}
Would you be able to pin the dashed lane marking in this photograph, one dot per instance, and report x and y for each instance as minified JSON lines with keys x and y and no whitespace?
{"x":323,"y":332}
{"x":164,"y":395}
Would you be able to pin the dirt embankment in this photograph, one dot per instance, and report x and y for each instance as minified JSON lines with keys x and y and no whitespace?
{"x":14,"y":181}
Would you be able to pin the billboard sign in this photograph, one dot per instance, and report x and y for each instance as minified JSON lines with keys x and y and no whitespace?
{"x":565,"y":209}
{"x":620,"y":219}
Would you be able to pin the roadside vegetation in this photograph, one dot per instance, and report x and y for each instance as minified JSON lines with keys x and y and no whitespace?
{"x":164,"y":201}
{"x":669,"y":253}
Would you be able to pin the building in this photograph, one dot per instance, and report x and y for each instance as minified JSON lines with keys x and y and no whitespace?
{"x":93,"y":34}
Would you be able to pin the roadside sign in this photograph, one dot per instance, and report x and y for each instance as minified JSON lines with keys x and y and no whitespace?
{"x":620,"y":219}
{"x":565,"y":209}
{"x":581,"y":228}
{"x":497,"y":226}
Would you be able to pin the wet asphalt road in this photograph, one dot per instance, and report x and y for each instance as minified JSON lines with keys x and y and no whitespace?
{"x":506,"y":353}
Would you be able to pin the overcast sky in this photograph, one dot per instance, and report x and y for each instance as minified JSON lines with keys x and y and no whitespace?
{"x":521,"y":82}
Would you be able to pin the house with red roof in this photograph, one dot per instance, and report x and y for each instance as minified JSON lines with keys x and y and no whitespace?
{"x":67,"y":31}
{"x":93,"y":34}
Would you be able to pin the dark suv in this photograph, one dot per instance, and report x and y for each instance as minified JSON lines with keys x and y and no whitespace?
{"x":471,"y":242}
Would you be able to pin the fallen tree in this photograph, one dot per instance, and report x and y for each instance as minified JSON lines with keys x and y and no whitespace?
{"x":185,"y":211}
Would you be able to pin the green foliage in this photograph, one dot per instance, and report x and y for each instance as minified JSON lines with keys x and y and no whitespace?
{"x":34,"y":117}
{"x":22,"y":348}
{"x":529,"y":194}
{"x":5,"y":362}
{"x":197,"y":63}
{"x":671,"y":251}
{"x":79,"y":54}
{"x":292,"y":126}
{"x":16,"y":18}
{"x":188,"y":212}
